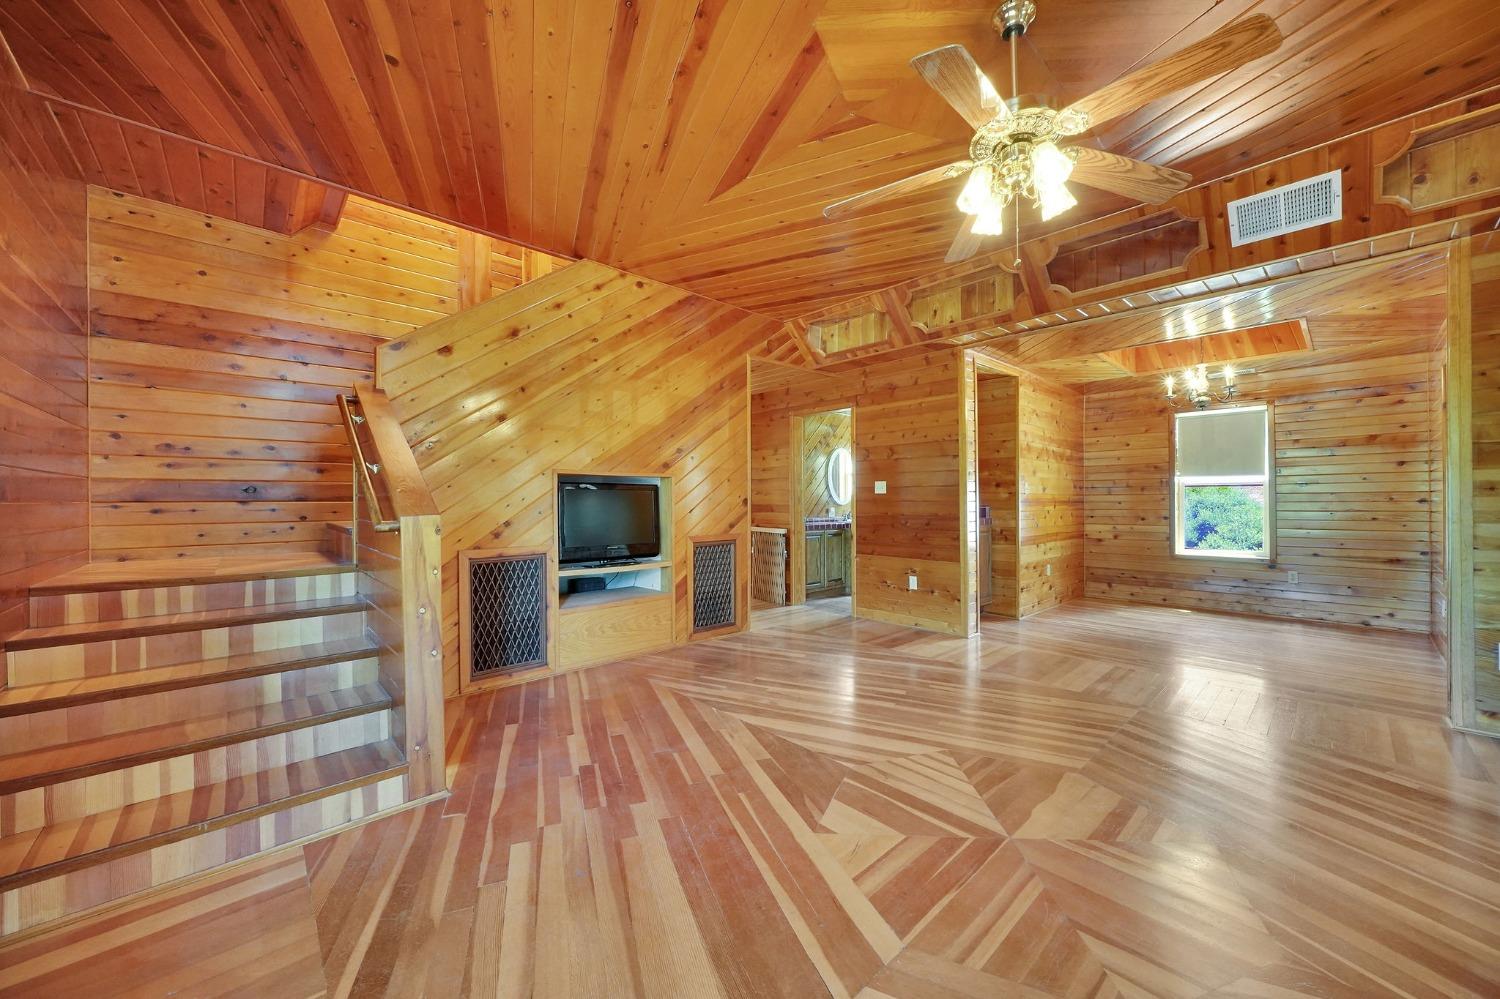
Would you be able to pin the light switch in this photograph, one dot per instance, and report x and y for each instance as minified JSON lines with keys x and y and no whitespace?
{"x":911,"y":582}
{"x":879,"y":487}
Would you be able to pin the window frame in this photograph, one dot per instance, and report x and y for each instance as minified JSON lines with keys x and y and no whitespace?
{"x":1178,"y":484}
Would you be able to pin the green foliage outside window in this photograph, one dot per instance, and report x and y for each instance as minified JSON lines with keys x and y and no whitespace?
{"x":1224,"y":518}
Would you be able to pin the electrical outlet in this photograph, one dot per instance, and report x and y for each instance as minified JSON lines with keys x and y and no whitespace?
{"x":911,"y":582}
{"x":879,"y":487}
{"x":1291,"y":576}
{"x":1049,"y":568}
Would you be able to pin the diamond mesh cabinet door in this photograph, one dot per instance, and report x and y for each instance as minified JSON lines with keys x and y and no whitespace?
{"x":768,"y":567}
{"x":713,"y":584}
{"x":505,"y":613}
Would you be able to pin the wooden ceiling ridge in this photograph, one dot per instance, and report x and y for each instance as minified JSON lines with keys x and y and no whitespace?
{"x":697,"y":145}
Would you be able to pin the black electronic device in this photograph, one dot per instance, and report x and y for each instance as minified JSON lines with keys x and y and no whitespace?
{"x":602,"y":520}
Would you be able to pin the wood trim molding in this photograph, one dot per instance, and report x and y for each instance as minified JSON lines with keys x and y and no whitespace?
{"x":1458,"y":487}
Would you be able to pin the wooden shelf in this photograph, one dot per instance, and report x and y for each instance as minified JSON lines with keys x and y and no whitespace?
{"x":610,"y":570}
{"x":598,"y":598}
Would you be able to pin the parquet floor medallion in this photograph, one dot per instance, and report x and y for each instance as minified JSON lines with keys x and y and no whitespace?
{"x":927,"y":795}
{"x":1083,"y":805}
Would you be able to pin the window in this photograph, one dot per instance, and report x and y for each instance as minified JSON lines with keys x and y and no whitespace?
{"x":1223,"y":491}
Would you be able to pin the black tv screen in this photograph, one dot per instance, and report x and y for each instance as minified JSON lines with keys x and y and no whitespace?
{"x":603,"y":520}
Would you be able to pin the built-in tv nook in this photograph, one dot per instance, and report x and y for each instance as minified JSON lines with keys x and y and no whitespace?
{"x":614,"y":566}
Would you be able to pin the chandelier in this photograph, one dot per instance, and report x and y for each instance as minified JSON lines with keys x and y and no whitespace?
{"x":1197,"y":387}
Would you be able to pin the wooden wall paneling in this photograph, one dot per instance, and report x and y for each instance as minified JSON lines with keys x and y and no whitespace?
{"x":1438,"y":403}
{"x":909,"y":433}
{"x":43,"y":355}
{"x":1051,"y":479}
{"x":796,"y":427}
{"x":218,"y":351}
{"x":1473,"y":512}
{"x":583,"y":370}
{"x":908,"y":422}
{"x":1353,"y":455}
{"x":1444,"y":163}
{"x":822,"y":434}
{"x":998,"y":454}
{"x":968,"y":496}
{"x":1141,"y":250}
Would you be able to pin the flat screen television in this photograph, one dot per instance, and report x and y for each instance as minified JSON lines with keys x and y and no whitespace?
{"x":599,"y":520}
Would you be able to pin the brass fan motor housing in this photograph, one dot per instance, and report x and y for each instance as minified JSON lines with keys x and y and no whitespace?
{"x":1028,"y":125}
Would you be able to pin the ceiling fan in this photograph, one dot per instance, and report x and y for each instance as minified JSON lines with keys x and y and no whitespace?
{"x":1015,"y":154}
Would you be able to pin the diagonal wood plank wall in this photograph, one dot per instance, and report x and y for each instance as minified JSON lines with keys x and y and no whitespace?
{"x":584,"y":370}
{"x":823,"y":434}
{"x":218,"y":350}
{"x":43,"y":391}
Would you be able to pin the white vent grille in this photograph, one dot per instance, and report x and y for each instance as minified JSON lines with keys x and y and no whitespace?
{"x":1307,"y":203}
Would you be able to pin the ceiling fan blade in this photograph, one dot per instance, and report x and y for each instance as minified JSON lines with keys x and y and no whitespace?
{"x":906,"y":185}
{"x":1230,"y":47}
{"x":965,"y":244}
{"x":952,"y":72}
{"x":1125,"y":176}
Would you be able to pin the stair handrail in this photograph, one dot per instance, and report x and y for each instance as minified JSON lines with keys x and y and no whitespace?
{"x":399,"y":570}
{"x":383,"y":460}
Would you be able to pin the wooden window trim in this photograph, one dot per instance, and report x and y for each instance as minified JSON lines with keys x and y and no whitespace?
{"x":1174,"y":503}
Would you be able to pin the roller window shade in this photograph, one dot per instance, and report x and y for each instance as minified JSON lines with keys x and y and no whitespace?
{"x":1222,"y":443}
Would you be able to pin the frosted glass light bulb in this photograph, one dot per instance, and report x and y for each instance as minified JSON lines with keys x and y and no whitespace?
{"x":989,"y":222}
{"x":976,"y":197}
{"x":1050,"y":169}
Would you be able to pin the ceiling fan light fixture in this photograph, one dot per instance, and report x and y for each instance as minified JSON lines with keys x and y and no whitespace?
{"x":978,"y":195}
{"x":1050,"y":169}
{"x":990,"y":222}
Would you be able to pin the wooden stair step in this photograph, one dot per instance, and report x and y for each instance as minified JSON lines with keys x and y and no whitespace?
{"x":167,"y":624}
{"x":38,"y":854}
{"x":111,"y":686}
{"x":99,"y":577}
{"x":72,"y":761}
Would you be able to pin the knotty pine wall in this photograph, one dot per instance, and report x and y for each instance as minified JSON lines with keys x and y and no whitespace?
{"x":1484,"y":305}
{"x":217,"y":353}
{"x":822,"y":434}
{"x":997,"y":460}
{"x":585,"y":370}
{"x":1052,"y":495}
{"x":43,"y":354}
{"x":908,"y":423}
{"x":1355,"y":463}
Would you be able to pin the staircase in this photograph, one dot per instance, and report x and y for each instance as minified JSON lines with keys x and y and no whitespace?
{"x":163,"y":720}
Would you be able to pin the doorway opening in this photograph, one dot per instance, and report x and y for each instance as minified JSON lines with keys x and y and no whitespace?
{"x":824,"y":496}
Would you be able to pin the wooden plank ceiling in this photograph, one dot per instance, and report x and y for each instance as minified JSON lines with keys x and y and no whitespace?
{"x":696,"y":142}
{"x":1345,"y":306}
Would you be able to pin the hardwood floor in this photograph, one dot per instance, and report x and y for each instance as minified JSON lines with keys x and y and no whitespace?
{"x":1102,"y":800}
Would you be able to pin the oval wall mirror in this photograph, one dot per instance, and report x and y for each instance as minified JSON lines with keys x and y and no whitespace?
{"x":841,"y":476}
